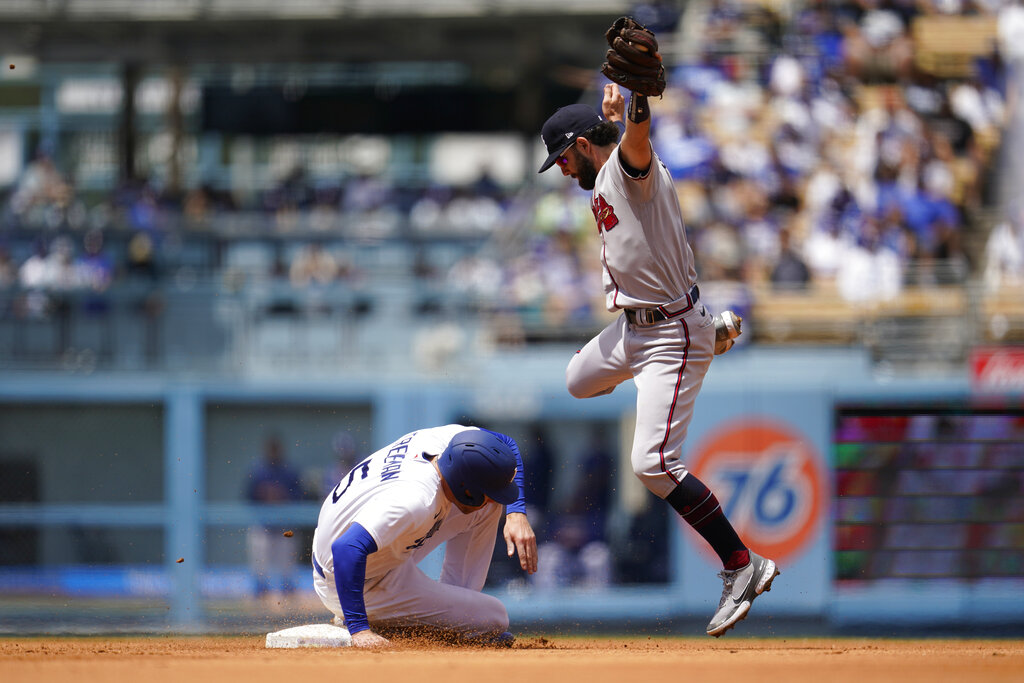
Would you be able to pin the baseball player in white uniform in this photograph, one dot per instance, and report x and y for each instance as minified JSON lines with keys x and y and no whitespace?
{"x":447,"y":484}
{"x":665,"y":338}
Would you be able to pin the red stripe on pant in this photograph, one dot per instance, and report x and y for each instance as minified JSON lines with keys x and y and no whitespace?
{"x":675,"y":397}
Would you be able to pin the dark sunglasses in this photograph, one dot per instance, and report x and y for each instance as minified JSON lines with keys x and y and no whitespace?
{"x":564,"y":159}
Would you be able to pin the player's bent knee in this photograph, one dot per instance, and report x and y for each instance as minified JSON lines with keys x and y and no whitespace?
{"x":640,"y":466}
{"x":575,"y":391}
{"x":493,"y":618}
{"x":585,"y":390}
{"x":500,"y":625}
{"x":579,"y":385}
{"x":500,"y":617}
{"x":573,"y":384}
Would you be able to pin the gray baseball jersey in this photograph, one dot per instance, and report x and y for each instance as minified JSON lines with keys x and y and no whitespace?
{"x":645,"y":256}
{"x":648,"y":264}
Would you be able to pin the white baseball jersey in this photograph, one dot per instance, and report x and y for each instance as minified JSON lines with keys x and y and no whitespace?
{"x":395,"y":494}
{"x":645,"y":256}
{"x":647,"y":264}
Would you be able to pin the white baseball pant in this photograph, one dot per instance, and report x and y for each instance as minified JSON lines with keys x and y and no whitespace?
{"x":406,"y":597}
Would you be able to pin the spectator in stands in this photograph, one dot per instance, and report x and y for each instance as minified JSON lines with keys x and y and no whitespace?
{"x":62,"y":271}
{"x":790,"y":271}
{"x":367,"y":203}
{"x":869,"y":272}
{"x":980,"y":105}
{"x":425,"y":214}
{"x":476,"y":278}
{"x":324,"y":214}
{"x":826,"y":247}
{"x":272,"y":556}
{"x":877,"y":45}
{"x":196,"y":207}
{"x":723,"y":24}
{"x":718,"y":252}
{"x":759,"y":230}
{"x":37,"y":270}
{"x":93,"y":273}
{"x":42,"y":193}
{"x":287,"y":198}
{"x":1004,"y":252}
{"x":470,"y":214}
{"x":313,"y":265}
{"x":141,"y":258}
{"x":572,"y":557}
{"x":140,"y":201}
{"x":94,"y":269}
{"x":43,"y":276}
{"x":563,"y":209}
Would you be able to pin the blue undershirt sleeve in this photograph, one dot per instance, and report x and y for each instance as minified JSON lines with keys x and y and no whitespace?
{"x":520,"y":478}
{"x":349,"y":554}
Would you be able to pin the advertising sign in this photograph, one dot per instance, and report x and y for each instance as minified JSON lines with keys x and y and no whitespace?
{"x":765,"y":455}
{"x":769,"y":481}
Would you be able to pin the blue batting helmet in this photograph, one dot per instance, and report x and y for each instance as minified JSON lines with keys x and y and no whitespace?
{"x":476,"y":464}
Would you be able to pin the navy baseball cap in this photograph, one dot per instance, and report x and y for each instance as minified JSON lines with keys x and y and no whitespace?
{"x":476,"y":464}
{"x":563,"y":127}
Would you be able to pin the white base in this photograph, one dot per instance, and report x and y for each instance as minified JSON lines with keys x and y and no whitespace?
{"x":310,"y":635}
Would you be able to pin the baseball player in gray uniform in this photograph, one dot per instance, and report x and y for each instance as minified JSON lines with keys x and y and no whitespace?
{"x":665,"y":337}
{"x":448,"y":484}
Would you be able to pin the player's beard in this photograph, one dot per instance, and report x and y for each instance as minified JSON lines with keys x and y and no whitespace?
{"x":586,"y":172}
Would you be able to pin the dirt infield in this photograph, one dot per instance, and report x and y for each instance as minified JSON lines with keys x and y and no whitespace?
{"x":541,"y":659}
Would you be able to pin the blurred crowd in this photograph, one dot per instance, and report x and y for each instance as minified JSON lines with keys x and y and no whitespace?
{"x":809,"y":147}
{"x":52,"y":238}
{"x":813,"y":152}
{"x":839,"y":161}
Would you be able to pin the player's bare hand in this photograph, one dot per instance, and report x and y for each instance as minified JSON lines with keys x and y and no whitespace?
{"x":613,"y":106}
{"x":519,"y":537}
{"x":369,"y":640}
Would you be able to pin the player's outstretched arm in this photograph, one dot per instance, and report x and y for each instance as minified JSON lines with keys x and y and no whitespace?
{"x":635,"y":146}
{"x":633,"y":61}
{"x":349,"y":553}
{"x":519,"y":537}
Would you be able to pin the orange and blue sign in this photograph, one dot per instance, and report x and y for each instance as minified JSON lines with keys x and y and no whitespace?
{"x":769,"y":480}
{"x":769,"y":470}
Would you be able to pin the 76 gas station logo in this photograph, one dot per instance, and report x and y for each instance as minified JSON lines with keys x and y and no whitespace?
{"x":769,"y":482}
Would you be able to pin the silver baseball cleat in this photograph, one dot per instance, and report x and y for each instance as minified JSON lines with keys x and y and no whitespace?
{"x":727,"y":328}
{"x":739,"y":588}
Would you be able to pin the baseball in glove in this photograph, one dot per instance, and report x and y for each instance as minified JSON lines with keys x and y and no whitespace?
{"x":633,"y":60}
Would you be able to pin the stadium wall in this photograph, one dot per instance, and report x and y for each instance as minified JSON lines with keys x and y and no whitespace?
{"x":164,"y":458}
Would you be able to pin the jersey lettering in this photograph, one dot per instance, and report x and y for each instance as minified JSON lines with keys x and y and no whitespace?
{"x":364,"y":466}
{"x":393,"y":460}
{"x":604,"y":213}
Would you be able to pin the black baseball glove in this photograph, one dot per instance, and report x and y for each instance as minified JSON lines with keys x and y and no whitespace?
{"x":633,"y":60}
